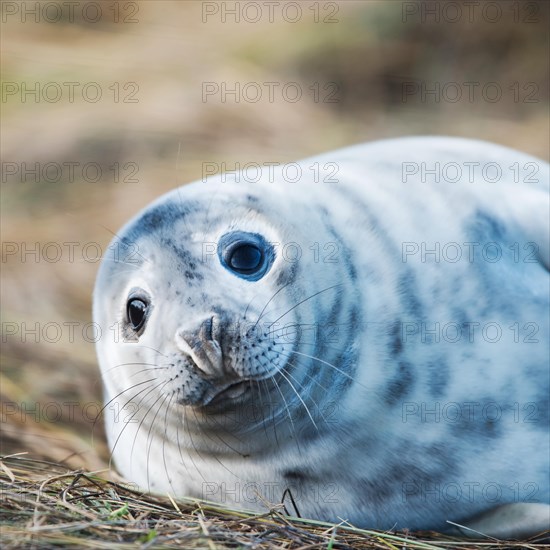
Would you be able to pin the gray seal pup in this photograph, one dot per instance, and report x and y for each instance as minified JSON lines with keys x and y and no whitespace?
{"x":362,"y":335}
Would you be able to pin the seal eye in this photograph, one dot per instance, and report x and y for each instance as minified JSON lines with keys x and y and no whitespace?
{"x":247,"y":255}
{"x":245,"y":258}
{"x":136,"y":310}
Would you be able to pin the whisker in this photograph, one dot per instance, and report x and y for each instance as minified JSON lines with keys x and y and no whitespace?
{"x":164,"y":443}
{"x":150,"y":445}
{"x":306,"y":373}
{"x":140,"y":363}
{"x":123,"y":241}
{"x":273,"y":334}
{"x":330,"y":365}
{"x":302,"y":301}
{"x":153,"y":349}
{"x":302,"y":386}
{"x":268,"y":302}
{"x":142,"y":419}
{"x":248,"y":305}
{"x":146,"y":370}
{"x":274,"y":380}
{"x":300,"y":398}
{"x":127,"y":422}
{"x":225,"y":443}
{"x":272,"y":417}
{"x":115,"y":397}
{"x":178,"y":441}
{"x":186,"y":424}
{"x":261,"y":405}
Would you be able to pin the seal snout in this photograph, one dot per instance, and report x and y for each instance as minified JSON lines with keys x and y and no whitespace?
{"x":202,"y":345}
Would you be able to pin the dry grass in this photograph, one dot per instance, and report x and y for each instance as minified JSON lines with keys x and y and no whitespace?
{"x":45,"y":505}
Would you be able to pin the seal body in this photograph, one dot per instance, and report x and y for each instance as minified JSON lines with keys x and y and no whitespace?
{"x":362,"y":335}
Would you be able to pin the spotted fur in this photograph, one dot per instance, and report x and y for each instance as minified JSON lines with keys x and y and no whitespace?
{"x":329,"y":380}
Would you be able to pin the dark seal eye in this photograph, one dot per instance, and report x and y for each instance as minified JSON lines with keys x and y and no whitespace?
{"x":245,"y":258}
{"x":247,"y":255}
{"x":137,"y":312}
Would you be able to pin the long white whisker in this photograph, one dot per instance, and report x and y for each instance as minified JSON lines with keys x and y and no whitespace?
{"x":142,"y":420}
{"x":127,"y":422}
{"x":268,"y":302}
{"x":300,"y":398}
{"x":292,"y":427}
{"x":302,"y":301}
{"x":149,"y":435}
{"x":302,"y":386}
{"x":328,"y":364}
{"x":118,"y":395}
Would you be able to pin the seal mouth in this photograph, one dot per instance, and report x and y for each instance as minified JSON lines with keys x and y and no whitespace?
{"x":228,"y":394}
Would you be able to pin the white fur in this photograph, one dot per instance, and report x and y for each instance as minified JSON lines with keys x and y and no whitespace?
{"x":364,"y":461}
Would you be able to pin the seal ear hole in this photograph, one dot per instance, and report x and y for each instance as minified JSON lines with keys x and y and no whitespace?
{"x":137,"y":309}
{"x":247,"y":255}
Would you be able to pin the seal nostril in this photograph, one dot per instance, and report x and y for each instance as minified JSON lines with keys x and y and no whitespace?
{"x":209,"y":330}
{"x":206,"y":329}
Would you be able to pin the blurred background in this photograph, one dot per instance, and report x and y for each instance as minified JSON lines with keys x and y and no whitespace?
{"x":106,"y":105}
